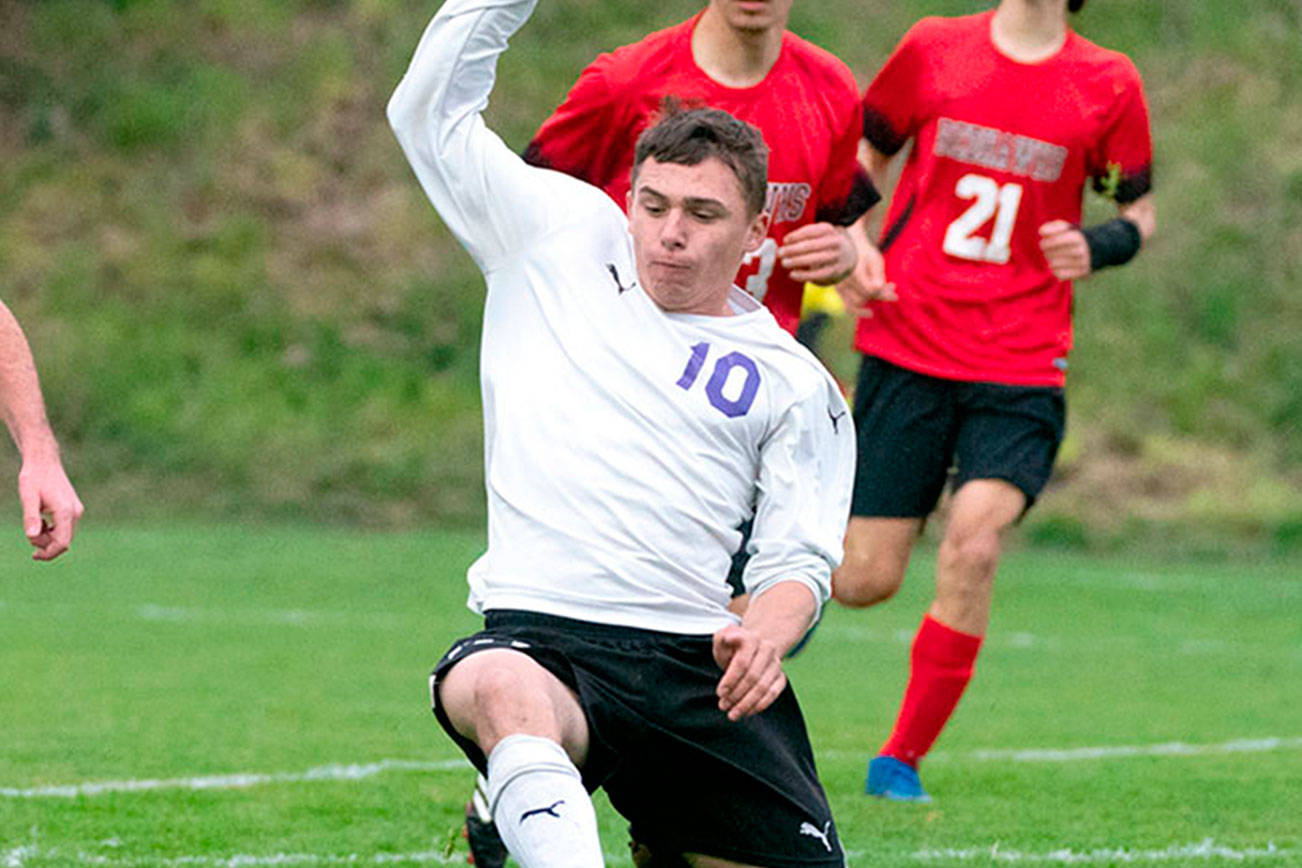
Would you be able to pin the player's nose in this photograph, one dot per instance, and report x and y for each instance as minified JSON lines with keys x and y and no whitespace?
{"x":673,"y":230}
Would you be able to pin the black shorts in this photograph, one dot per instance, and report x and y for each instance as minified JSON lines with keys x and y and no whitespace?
{"x":914,"y":430}
{"x":686,"y":778}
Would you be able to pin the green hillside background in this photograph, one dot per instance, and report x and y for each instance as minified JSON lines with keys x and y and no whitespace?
{"x":242,"y":306}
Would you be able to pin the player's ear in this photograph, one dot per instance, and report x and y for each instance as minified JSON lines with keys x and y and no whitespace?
{"x":757,"y":231}
{"x":628,"y":201}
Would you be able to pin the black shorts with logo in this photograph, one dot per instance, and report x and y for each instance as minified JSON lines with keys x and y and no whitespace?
{"x":914,"y":430}
{"x":686,"y":778}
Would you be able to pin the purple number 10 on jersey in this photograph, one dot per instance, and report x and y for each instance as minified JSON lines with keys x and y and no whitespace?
{"x":731,"y":407}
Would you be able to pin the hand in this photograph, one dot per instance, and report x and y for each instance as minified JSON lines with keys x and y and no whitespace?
{"x":1065,"y":249}
{"x":866,"y":283}
{"x":818,"y":253}
{"x":752,"y":671}
{"x":44,"y":490}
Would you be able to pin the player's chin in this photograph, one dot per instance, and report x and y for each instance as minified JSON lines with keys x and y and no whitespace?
{"x":674,"y":290}
{"x":757,"y":23}
{"x":752,"y":14}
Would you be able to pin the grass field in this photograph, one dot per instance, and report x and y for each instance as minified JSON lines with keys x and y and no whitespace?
{"x":234,"y":696}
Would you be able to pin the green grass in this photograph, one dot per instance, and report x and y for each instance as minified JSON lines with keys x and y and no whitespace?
{"x":191,"y":651}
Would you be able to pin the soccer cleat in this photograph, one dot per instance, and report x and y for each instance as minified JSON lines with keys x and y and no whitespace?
{"x":889,"y":778}
{"x":486,"y":847}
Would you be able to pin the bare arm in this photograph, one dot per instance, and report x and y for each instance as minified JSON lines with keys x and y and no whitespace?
{"x":819,"y":253}
{"x":20,"y":391}
{"x":877,"y":165}
{"x":1143,"y":213}
{"x":750,"y":653}
{"x":43,"y":486}
{"x":867,"y":282}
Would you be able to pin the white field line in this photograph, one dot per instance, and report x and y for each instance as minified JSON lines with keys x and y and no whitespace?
{"x":15,"y":858}
{"x":20,"y":857}
{"x":360,"y":771}
{"x":1172,"y":748}
{"x":1076,"y":754}
{"x":280,"y":617}
{"x":242,"y":617}
{"x":1206,"y":850}
{"x":1022,"y":641}
{"x":866,"y":636}
{"x":1274,"y":581}
{"x":351,"y":772}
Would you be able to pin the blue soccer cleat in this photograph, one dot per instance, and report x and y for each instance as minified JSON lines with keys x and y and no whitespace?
{"x":889,"y":778}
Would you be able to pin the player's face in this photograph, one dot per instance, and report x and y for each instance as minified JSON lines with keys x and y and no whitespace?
{"x":752,"y":15}
{"x":690,"y":230}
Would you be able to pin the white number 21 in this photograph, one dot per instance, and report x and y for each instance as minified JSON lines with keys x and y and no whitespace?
{"x":991,"y":200}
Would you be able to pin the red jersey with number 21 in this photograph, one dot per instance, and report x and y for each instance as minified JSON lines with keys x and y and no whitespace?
{"x":807,"y":108}
{"x":999,"y":149}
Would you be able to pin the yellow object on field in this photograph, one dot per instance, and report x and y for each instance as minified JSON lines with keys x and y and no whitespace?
{"x":820,"y":299}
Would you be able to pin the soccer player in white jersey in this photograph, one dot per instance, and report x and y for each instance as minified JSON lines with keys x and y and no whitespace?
{"x":637,"y":407}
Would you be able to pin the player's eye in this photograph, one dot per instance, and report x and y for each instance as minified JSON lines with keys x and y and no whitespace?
{"x":705,"y":215}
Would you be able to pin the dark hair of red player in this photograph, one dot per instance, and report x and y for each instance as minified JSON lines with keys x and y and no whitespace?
{"x":1075,"y":5}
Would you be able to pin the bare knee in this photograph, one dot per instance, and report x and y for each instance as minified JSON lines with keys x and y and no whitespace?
{"x":493,"y":694}
{"x":974,"y":554}
{"x":983,"y":511}
{"x":876,"y":555}
{"x":866,"y":581}
{"x":476,"y":693}
{"x":498,"y":690}
{"x":965,"y":580}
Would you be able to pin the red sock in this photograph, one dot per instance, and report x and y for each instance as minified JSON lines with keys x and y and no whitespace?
{"x":941,"y":666}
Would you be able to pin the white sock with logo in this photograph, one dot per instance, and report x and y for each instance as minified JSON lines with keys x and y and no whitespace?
{"x":539,"y":805}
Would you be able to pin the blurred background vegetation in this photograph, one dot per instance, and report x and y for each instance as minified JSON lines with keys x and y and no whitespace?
{"x":243,"y":307}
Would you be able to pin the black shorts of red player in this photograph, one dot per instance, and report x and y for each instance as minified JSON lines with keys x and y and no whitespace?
{"x":918,"y":432}
{"x":686,"y":778}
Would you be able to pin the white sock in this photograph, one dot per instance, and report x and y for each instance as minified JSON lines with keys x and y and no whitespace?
{"x":539,"y":805}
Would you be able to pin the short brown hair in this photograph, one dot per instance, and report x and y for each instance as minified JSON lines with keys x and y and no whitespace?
{"x":689,"y":137}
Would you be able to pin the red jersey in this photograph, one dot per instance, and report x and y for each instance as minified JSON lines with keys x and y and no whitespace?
{"x":807,"y":108}
{"x":999,"y":148}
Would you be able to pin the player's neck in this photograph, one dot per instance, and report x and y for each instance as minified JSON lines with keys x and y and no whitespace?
{"x":1029,"y":31}
{"x":732,"y":57}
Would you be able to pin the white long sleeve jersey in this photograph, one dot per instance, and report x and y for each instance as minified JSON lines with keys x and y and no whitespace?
{"x":624,"y":445}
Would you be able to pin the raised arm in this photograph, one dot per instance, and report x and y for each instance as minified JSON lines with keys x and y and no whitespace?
{"x":43,"y":487}
{"x":488,"y":197}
